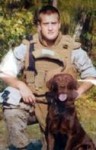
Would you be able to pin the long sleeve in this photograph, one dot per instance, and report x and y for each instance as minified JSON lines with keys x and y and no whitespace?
{"x":83,"y":63}
{"x":13,"y":61}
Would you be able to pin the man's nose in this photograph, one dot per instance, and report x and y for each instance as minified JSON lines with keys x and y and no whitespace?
{"x":50,"y":26}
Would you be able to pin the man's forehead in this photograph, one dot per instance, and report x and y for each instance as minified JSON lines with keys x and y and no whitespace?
{"x":46,"y":17}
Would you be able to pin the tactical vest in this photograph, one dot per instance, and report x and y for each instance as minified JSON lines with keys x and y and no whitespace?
{"x":48,"y":62}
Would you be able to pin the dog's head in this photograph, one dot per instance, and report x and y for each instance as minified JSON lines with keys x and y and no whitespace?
{"x":62,"y":87}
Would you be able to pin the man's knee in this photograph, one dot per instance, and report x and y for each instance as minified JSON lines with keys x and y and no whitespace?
{"x":14,"y":114}
{"x":16,"y":122}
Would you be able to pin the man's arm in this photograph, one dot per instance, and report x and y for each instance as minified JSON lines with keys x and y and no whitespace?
{"x":26,"y":93}
{"x":85,"y":86}
{"x":9,"y":76}
{"x":86,"y":69}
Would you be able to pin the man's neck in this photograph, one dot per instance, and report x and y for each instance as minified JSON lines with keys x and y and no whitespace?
{"x":49,"y":43}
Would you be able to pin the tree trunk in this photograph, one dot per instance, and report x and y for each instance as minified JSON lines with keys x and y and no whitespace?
{"x":37,"y":2}
{"x":54,"y":3}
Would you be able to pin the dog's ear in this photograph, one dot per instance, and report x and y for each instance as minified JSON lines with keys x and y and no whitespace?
{"x":49,"y":83}
{"x":52,"y":85}
{"x":74,"y":95}
{"x":50,"y":97}
{"x":73,"y":85}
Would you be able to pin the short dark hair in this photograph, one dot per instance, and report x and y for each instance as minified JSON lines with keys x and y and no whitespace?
{"x":48,"y":9}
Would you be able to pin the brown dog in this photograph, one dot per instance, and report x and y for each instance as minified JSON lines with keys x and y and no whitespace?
{"x":64,"y":131}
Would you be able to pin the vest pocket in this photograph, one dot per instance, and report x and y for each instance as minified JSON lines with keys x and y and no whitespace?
{"x":30,"y":79}
{"x":40,"y":83}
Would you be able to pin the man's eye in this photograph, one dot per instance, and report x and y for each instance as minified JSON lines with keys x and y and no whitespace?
{"x":45,"y":23}
{"x":54,"y":23}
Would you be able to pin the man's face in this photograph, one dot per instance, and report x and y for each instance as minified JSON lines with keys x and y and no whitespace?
{"x":49,"y":26}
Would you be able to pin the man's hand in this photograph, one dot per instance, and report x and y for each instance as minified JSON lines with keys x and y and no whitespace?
{"x":26,"y":93}
{"x":85,"y":86}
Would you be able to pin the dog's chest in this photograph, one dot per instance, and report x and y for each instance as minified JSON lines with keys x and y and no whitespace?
{"x":59,"y":119}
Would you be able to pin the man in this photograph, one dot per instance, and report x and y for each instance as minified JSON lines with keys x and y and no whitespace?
{"x":54,"y":53}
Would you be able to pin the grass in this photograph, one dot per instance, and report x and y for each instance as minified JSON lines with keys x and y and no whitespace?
{"x":34,"y":131}
{"x":86,"y":110}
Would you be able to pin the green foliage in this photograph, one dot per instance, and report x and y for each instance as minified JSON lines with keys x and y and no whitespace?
{"x":72,"y":6}
{"x":86,"y":109}
{"x":16,"y":18}
{"x":15,"y":27}
{"x":71,"y":9}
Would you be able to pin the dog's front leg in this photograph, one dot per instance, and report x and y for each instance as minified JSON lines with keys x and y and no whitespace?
{"x":50,"y":142}
{"x":69,"y":143}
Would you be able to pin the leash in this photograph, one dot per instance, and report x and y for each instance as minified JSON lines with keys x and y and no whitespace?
{"x":42,"y":102}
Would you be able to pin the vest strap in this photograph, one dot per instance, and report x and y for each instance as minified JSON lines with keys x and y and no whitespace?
{"x":31,"y":66}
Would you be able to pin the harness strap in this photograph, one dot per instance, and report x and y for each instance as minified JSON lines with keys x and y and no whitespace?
{"x":31,"y":66}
